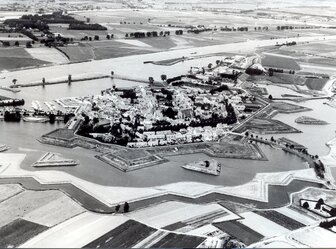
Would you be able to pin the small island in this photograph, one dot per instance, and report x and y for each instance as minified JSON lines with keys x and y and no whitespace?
{"x":211,"y":167}
{"x":310,"y":121}
{"x":54,"y":160}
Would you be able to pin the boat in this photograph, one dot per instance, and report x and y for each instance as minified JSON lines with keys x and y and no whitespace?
{"x":36,"y":119}
{"x":211,"y":167}
{"x":3,"y":147}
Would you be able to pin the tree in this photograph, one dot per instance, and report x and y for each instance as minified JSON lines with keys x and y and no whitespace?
{"x":210,"y":65}
{"x":305,"y":205}
{"x":28,"y":44}
{"x":246,"y":134}
{"x":151,"y":80}
{"x":14,"y":81}
{"x":319,"y":203}
{"x":108,"y":37}
{"x":207,"y":163}
{"x":163,"y":77}
{"x":117,"y":208}
{"x":17,"y":43}
{"x":126,"y":35}
{"x":126,"y":207}
{"x":270,"y":97}
{"x":96,"y":37}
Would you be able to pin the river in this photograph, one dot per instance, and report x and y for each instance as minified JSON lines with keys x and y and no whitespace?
{"x":314,"y":137}
{"x":21,"y":137}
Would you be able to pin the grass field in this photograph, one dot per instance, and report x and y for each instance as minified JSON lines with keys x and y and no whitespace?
{"x":16,"y":57}
{"x":280,"y":219}
{"x":266,"y":126}
{"x":18,"y":232}
{"x":316,"y":84}
{"x":61,"y":133}
{"x":279,"y":62}
{"x":239,"y":231}
{"x":126,"y":235}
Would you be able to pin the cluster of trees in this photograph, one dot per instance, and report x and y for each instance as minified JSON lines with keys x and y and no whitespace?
{"x":55,"y":41}
{"x":328,"y":224}
{"x":177,"y":78}
{"x":29,"y":34}
{"x":271,"y":71}
{"x":319,"y":168}
{"x":126,"y":207}
{"x":167,"y":126}
{"x":170,"y":113}
{"x":261,"y":28}
{"x":56,"y":17}
{"x":147,"y":34}
{"x":234,"y":29}
{"x":12,"y":116}
{"x":179,"y":32}
{"x":197,"y":31}
{"x":21,"y":24}
{"x":219,"y":89}
{"x":286,"y":27}
{"x":129,"y":94}
{"x":40,"y":22}
{"x":86,"y":26}
{"x":254,"y":71}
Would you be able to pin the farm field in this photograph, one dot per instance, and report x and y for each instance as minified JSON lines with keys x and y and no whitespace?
{"x":280,"y":219}
{"x":126,"y":235}
{"x":17,"y":57}
{"x":239,"y":231}
{"x":179,"y":240}
{"x":262,"y":225}
{"x":170,"y":213}
{"x":18,"y":232}
{"x":279,"y":62}
{"x":43,"y":207}
{"x":9,"y":190}
{"x":51,"y":55}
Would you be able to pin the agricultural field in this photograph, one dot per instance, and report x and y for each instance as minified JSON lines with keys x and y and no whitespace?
{"x":51,"y":55}
{"x":47,"y":208}
{"x":280,"y":219}
{"x":127,"y":234}
{"x":179,"y":240}
{"x":280,"y":62}
{"x":173,"y":215}
{"x":77,"y":34}
{"x":19,"y":231}
{"x":239,"y":231}
{"x":13,"y":58}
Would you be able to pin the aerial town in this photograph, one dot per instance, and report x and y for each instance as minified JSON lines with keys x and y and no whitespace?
{"x":167,"y":124}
